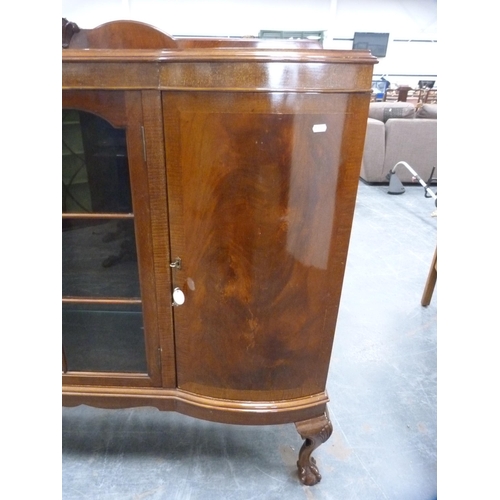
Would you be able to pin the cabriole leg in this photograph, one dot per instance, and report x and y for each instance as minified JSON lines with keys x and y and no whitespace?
{"x":315,"y":432}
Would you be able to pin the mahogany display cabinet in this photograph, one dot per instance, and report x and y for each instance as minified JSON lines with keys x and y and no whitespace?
{"x":208,"y":195}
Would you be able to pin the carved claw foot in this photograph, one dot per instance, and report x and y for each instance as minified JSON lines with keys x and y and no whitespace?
{"x":315,"y":432}
{"x":309,"y":474}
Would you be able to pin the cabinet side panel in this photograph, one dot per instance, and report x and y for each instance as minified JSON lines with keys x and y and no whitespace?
{"x":262,"y":230}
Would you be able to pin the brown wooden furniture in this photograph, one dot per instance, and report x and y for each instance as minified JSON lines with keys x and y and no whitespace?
{"x":136,"y":35}
{"x":417,"y":96}
{"x":208,"y":196}
{"x":431,"y":281}
{"x":429,"y":96}
{"x":400,"y":94}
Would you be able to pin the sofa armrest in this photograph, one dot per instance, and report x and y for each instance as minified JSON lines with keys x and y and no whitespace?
{"x":374,"y":152}
{"x":413,"y":141}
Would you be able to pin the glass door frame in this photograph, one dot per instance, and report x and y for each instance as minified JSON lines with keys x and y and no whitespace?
{"x":124,"y":109}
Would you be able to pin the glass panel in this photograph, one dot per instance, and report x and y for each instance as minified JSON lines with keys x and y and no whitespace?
{"x":94,"y":165}
{"x":104,"y":338}
{"x":99,"y":258}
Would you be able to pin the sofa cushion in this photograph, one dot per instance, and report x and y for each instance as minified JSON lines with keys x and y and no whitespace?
{"x":427,"y":111}
{"x":384,"y":110}
{"x":412,"y":141}
{"x":374,"y":151}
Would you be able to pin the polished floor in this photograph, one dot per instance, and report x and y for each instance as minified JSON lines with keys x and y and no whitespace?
{"x":382,"y":387}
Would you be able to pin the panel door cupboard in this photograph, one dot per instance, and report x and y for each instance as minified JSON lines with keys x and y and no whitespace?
{"x":208,"y":196}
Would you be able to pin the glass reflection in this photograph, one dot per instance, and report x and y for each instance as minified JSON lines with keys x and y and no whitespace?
{"x":104,"y":338}
{"x":99,"y":258}
{"x":94,"y":165}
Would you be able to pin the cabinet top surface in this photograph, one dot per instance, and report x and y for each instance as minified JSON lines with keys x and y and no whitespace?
{"x":222,"y":54}
{"x":126,"y":40}
{"x":133,"y":55}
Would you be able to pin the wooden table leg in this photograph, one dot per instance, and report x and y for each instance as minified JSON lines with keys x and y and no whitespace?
{"x":315,"y":432}
{"x":431,"y":281}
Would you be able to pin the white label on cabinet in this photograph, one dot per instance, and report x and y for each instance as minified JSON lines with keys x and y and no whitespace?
{"x":319,"y":127}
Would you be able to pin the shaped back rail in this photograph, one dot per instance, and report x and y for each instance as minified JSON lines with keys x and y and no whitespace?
{"x":137,"y":35}
{"x":116,"y":35}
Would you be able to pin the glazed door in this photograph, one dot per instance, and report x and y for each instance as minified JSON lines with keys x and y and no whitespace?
{"x":110,"y":325}
{"x":261,"y":194}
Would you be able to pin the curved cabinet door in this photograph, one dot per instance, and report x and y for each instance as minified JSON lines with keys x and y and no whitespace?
{"x":109,"y":317}
{"x":261,"y":195}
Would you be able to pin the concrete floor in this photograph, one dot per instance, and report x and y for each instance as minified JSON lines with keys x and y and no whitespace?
{"x":382,"y":386}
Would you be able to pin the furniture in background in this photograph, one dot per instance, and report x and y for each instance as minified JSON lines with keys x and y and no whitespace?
{"x":399,"y":95}
{"x":431,"y":281}
{"x":427,"y":96}
{"x":231,"y":223}
{"x":407,"y":94}
{"x":403,"y":93}
{"x":379,"y":89}
{"x":398,"y":131}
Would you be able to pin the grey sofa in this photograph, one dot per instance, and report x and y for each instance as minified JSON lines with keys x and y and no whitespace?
{"x":397,"y":131}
